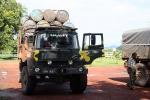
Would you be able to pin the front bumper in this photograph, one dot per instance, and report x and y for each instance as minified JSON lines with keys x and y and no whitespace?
{"x":58,"y":71}
{"x":57,"y":74}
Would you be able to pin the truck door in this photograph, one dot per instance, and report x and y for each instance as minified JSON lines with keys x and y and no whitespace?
{"x":92,"y":47}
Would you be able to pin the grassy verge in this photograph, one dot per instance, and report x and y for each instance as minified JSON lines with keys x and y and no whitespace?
{"x":8,"y":57}
{"x":97,"y":62}
{"x":107,"y":62}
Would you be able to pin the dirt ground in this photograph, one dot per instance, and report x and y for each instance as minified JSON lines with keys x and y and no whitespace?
{"x":104,"y":83}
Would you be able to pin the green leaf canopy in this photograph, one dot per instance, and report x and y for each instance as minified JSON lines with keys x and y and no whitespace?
{"x":10,"y":14}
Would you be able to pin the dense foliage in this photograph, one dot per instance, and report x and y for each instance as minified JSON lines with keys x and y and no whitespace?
{"x":10,"y":14}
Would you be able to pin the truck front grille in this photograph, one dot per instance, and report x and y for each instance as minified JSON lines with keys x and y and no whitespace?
{"x":54,"y":64}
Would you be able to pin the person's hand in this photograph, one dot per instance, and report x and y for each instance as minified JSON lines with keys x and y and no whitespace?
{"x":137,"y":58}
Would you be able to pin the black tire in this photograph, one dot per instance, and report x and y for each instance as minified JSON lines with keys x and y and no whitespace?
{"x":78,"y":83}
{"x":27,"y":83}
{"x":142,"y":74}
{"x":20,"y":70}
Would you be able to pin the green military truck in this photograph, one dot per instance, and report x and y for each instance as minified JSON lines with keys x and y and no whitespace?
{"x":52,"y":54}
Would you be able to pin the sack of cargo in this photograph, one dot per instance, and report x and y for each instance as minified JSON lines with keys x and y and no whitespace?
{"x":29,"y":26}
{"x":55,"y":23}
{"x":69,"y":24}
{"x":49,"y":15}
{"x":43,"y":23}
{"x":24,"y":19}
{"x":62,"y":16}
{"x":36,"y":15}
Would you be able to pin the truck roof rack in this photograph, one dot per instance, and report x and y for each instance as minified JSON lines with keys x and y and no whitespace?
{"x":52,"y":28}
{"x":55,"y":27}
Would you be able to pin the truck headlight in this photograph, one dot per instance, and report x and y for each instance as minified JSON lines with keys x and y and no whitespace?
{"x":80,"y":69}
{"x":49,"y":62}
{"x":37,"y":69}
{"x":70,"y":62}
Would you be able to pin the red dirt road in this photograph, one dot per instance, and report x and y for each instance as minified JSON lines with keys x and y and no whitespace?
{"x":104,"y":83}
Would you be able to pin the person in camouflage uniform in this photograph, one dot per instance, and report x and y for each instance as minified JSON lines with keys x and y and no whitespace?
{"x":132,"y":70}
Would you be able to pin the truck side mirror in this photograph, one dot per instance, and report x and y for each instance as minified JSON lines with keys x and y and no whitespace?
{"x":93,"y":39}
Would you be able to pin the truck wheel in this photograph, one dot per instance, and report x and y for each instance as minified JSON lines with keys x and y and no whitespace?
{"x":142,"y":75}
{"x":148,"y":82}
{"x":27,"y":83}
{"x":20,"y":69}
{"x":78,"y":83}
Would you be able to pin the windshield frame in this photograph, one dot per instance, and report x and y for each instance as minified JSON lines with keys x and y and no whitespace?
{"x":51,"y":32}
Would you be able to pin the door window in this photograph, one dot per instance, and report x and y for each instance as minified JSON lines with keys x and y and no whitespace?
{"x":92,"y":41}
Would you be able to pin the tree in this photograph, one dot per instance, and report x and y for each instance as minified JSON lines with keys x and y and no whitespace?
{"x":10,"y":14}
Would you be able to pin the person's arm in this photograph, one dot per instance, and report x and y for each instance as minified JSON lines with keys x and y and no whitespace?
{"x":137,"y":59}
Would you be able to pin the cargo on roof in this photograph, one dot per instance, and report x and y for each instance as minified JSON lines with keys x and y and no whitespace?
{"x":47,"y":18}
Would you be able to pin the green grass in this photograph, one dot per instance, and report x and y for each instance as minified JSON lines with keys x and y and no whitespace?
{"x":107,"y":62}
{"x":97,"y":62}
{"x":8,"y":57}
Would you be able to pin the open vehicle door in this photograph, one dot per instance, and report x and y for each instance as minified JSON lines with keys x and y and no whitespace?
{"x":92,"y":47}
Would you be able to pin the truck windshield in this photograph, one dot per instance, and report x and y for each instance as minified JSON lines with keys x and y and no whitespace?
{"x":56,"y":41}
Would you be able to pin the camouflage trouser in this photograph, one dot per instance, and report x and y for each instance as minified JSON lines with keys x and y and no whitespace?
{"x":132,"y":76}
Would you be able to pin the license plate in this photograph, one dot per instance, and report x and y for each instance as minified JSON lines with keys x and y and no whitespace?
{"x":51,"y":71}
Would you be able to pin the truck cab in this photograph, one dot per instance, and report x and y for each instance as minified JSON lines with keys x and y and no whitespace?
{"x":54,"y":55}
